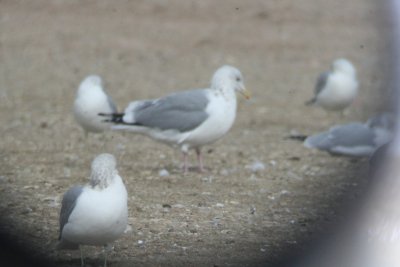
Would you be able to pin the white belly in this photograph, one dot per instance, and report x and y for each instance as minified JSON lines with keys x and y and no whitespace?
{"x":222,"y":114}
{"x":339,"y":92}
{"x":86,"y":112}
{"x":99,"y":217}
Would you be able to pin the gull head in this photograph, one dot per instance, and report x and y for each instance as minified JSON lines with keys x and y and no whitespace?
{"x":90,"y":83}
{"x":344,"y":66}
{"x":384,"y":120}
{"x":229,"y":77}
{"x":103,"y":170}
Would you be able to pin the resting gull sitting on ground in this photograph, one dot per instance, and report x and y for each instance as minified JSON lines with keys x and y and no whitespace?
{"x":90,"y":101}
{"x":354,"y":139}
{"x":96,"y":214}
{"x":336,"y":89}
{"x":188,"y":119}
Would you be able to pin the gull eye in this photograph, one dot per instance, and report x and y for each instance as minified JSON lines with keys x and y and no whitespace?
{"x":238,"y":79}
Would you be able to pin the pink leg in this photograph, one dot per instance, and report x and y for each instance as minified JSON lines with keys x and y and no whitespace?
{"x":185,"y":165}
{"x":200,"y":160}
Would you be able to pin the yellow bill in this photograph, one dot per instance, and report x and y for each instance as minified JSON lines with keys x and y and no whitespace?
{"x":246,"y":93}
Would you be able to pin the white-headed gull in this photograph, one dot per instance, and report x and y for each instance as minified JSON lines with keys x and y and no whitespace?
{"x":91,"y":99}
{"x":188,"y":119}
{"x":95,"y":214}
{"x":336,"y":89}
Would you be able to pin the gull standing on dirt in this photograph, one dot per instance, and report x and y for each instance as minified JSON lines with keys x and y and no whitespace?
{"x":91,"y":99}
{"x":336,"y":89}
{"x":95,"y":214}
{"x":354,"y":139}
{"x":188,"y":119}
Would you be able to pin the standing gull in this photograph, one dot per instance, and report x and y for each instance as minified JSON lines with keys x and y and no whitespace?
{"x":95,"y":214}
{"x":188,"y":119}
{"x":336,"y":89}
{"x":91,"y":100}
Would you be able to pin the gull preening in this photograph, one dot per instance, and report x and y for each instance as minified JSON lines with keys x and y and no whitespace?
{"x":188,"y":119}
{"x":336,"y":89}
{"x":354,"y":139}
{"x":95,"y":214}
{"x":91,"y":99}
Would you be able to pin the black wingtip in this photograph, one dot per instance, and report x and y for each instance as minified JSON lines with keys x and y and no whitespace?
{"x":299,"y":137}
{"x":310,"y":102}
{"x":116,"y":118}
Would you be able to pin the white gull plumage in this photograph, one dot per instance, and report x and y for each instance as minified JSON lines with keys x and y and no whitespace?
{"x":188,"y":119}
{"x":336,"y":89}
{"x":95,"y":214}
{"x":91,"y":99}
{"x":354,"y":139}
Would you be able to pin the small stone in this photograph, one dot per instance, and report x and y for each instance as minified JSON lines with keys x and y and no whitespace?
{"x":140,"y":242}
{"x":163,"y":173}
{"x":256,"y":166}
{"x":219,"y":205}
{"x":284,"y":192}
{"x":208,"y":179}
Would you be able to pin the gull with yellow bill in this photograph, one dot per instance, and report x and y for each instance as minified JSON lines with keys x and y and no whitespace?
{"x":188,"y":119}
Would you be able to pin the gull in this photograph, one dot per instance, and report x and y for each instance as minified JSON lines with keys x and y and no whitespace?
{"x":354,"y":139}
{"x":91,"y":99}
{"x":188,"y":119}
{"x":95,"y":214}
{"x":336,"y":89}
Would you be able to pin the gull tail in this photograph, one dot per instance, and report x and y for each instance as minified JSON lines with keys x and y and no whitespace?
{"x":319,"y":140}
{"x":117,"y":118}
{"x":300,"y":137}
{"x":310,"y":102}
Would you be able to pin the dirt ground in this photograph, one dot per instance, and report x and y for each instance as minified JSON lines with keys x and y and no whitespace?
{"x":229,"y":216}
